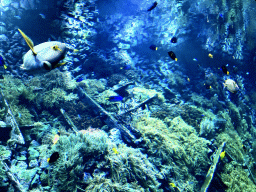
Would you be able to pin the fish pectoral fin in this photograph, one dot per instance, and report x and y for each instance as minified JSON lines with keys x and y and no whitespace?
{"x":47,"y":65}
{"x":60,"y":64}
{"x":22,"y":67}
{"x":28,"y":41}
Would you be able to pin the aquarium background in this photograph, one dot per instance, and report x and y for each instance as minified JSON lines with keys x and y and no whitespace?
{"x":152,"y":96}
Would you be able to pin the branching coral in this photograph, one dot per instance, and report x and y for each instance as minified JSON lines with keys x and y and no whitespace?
{"x":206,"y":127}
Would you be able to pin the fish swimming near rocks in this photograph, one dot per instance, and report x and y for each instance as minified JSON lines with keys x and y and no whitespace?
{"x":43,"y":57}
{"x":231,"y":85}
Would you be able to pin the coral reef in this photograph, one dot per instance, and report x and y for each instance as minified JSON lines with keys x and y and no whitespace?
{"x":130,"y":165}
{"x":76,"y":153}
{"x":175,"y":148}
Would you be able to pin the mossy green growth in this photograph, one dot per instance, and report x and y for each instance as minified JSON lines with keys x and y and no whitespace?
{"x":102,"y":99}
{"x":56,"y":96}
{"x":13,"y":88}
{"x":141,"y":94}
{"x":176,"y":148}
{"x":234,"y":144}
{"x":93,"y":86}
{"x":22,"y":115}
{"x":3,"y":177}
{"x":74,"y":151}
{"x":101,"y":183}
{"x":130,"y":165}
{"x":5,"y":153}
{"x":237,"y":179}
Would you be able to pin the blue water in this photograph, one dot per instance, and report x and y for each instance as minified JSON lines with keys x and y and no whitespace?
{"x":62,"y":132}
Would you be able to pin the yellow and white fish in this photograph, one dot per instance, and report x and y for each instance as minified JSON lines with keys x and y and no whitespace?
{"x":231,"y":85}
{"x":43,"y":57}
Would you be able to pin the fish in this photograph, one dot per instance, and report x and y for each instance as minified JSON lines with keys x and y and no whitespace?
{"x":172,"y":55}
{"x":210,"y":55}
{"x":82,"y":18}
{"x":153,"y":47}
{"x":174,"y":40}
{"x":194,"y":59}
{"x":207,"y":86}
{"x":153,"y":6}
{"x":231,"y":85}
{"x":2,"y":63}
{"x":224,"y":69}
{"x":55,"y":139}
{"x":79,"y":79}
{"x":42,"y":16}
{"x":172,"y":185}
{"x":188,"y":79}
{"x":126,"y":67}
{"x":17,"y":17}
{"x":222,"y":155}
{"x":115,"y":151}
{"x":54,"y":157}
{"x":75,"y":50}
{"x":43,"y":57}
{"x":114,"y":98}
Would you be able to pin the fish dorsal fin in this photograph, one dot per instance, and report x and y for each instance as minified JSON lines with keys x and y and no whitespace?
{"x":28,"y":41}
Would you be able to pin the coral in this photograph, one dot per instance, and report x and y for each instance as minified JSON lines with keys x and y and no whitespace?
{"x":176,"y":150}
{"x":19,"y":168}
{"x":93,"y":86}
{"x":141,"y":94}
{"x":3,"y":178}
{"x":4,"y":153}
{"x":201,"y":101}
{"x":131,"y":75}
{"x":82,"y":116}
{"x":115,"y":79}
{"x":236,"y":178}
{"x":130,"y":165}
{"x":12,"y":89}
{"x":74,"y":151}
{"x":234,"y":145}
{"x":206,"y":127}
{"x":100,"y":183}
{"x":22,"y":115}
{"x":56,"y":96}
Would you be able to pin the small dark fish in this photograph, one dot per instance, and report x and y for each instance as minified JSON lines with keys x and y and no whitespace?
{"x":172,"y":55}
{"x":143,"y":107}
{"x":54,"y":157}
{"x":174,"y":40}
{"x":224,"y":69}
{"x":2,"y":63}
{"x":114,"y":98}
{"x":79,"y":79}
{"x":153,"y":6}
{"x":153,"y":47}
